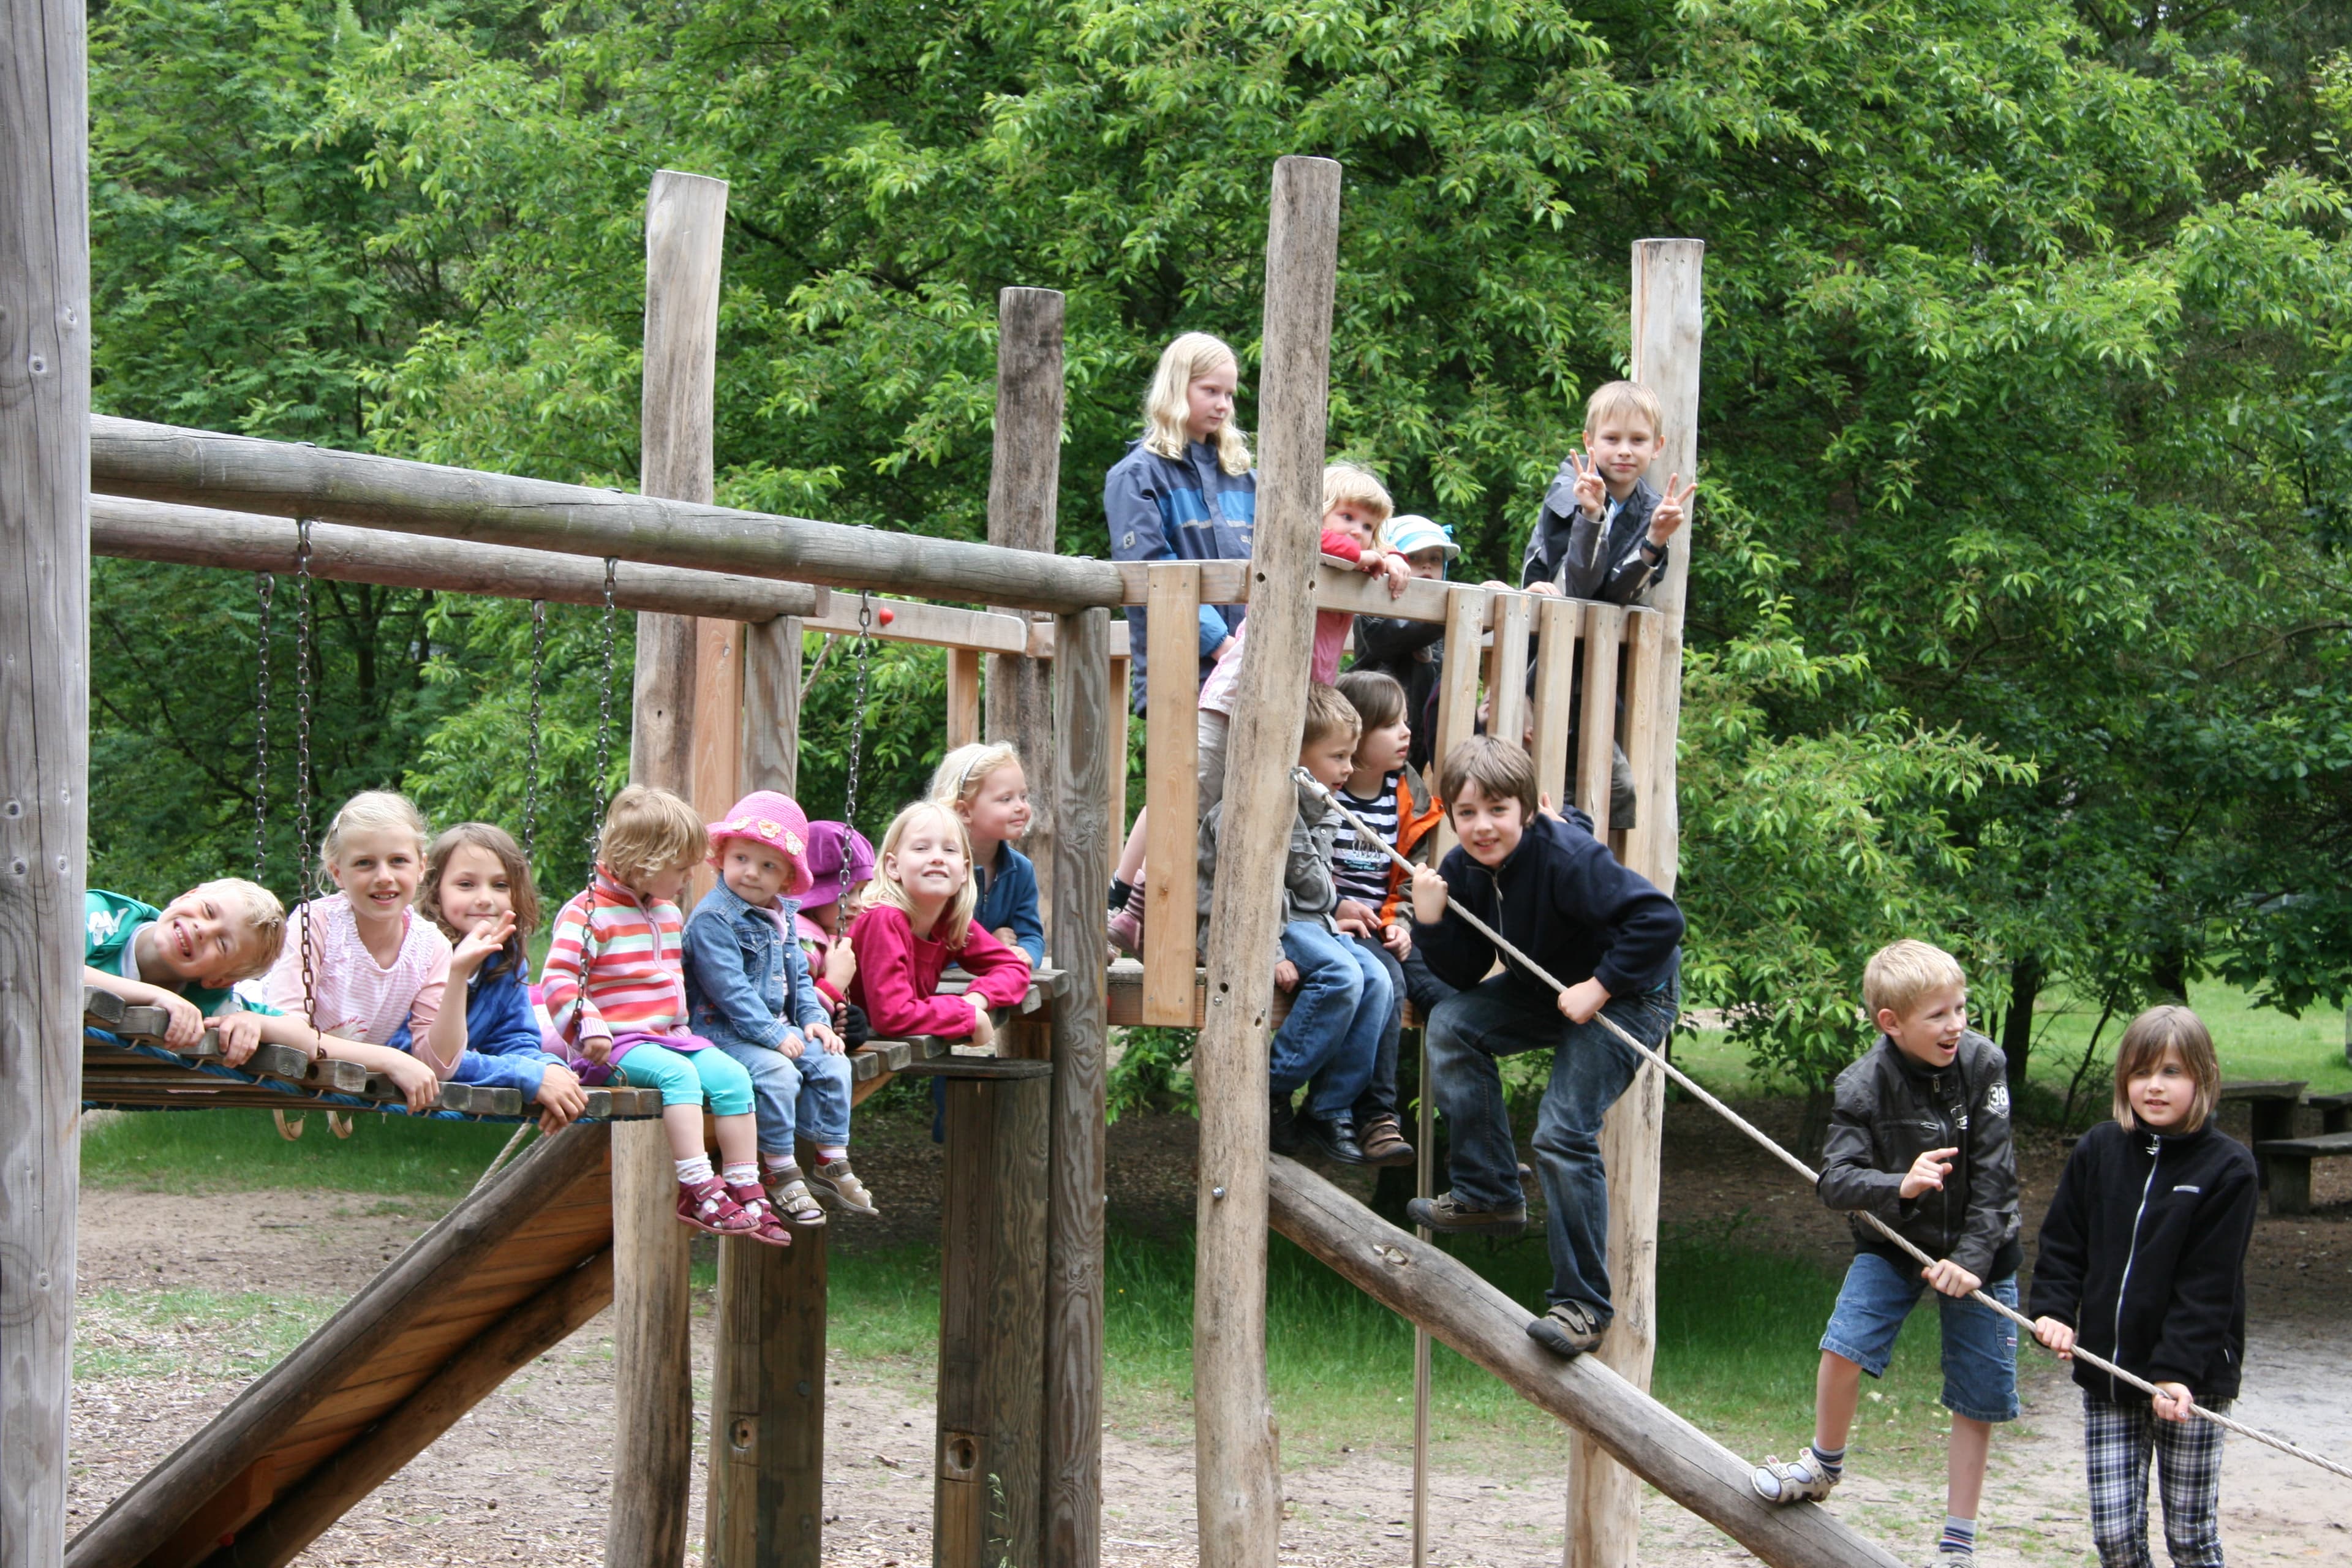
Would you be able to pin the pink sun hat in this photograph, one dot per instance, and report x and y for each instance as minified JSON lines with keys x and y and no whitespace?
{"x":767,"y":817}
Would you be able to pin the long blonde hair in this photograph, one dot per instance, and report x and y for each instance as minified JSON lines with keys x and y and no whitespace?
{"x":1183,"y":362}
{"x":955,"y":921}
{"x":958,"y":779}
{"x":372,"y":811}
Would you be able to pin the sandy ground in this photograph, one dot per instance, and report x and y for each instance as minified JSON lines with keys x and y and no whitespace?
{"x":521,"y":1477}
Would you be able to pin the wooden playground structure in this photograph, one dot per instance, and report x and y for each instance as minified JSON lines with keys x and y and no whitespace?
{"x":584,"y":1219}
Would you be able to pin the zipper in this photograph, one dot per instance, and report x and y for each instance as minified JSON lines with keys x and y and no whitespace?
{"x":2131,"y":1253}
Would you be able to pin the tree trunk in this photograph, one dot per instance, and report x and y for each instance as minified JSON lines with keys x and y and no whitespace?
{"x":2017,"y":1029}
{"x":2168,"y":975}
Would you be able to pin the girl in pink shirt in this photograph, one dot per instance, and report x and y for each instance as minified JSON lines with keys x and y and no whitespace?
{"x":917,"y":919}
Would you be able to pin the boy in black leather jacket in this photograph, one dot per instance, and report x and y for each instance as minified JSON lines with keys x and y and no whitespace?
{"x":1919,"y":1136}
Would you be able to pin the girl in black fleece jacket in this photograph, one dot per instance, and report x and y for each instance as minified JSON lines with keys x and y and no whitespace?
{"x":2143,"y":1262}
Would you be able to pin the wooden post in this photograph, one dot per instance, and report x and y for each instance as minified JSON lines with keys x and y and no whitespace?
{"x":1023,"y":483}
{"x":963,"y":698}
{"x":1457,"y":687}
{"x":45,"y":757}
{"x":1506,"y":678}
{"x":1115,"y":744}
{"x":653,"y":1458}
{"x":1557,"y":622}
{"x":772,"y":705}
{"x":1239,"y":1491}
{"x":1604,"y":1505}
{"x":1172,"y":794}
{"x":1086,"y":700}
{"x":1604,"y":630}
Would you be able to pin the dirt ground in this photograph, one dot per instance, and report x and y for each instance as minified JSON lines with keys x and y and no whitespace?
{"x":521,"y":1478}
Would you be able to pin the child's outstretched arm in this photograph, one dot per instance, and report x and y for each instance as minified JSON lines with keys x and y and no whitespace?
{"x":803,"y":1003}
{"x":415,"y":1080}
{"x":187,"y":1025}
{"x":897,"y":1004}
{"x":715,"y":961}
{"x":1455,"y":953}
{"x":1851,"y":1178}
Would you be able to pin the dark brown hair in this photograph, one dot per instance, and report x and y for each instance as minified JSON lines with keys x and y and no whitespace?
{"x":521,"y":890}
{"x":1499,"y":770}
{"x":1377,"y":698}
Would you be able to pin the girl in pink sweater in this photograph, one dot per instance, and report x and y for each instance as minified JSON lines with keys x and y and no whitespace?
{"x":917,"y":919}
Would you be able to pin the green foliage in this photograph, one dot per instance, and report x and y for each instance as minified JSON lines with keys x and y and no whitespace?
{"x":1152,"y":1071}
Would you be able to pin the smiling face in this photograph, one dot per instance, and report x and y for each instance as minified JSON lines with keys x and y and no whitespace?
{"x":203,"y":937}
{"x":1489,"y":828}
{"x":1208,"y":401}
{"x":474,"y":887}
{"x":755,"y":872}
{"x":929,"y":861}
{"x":2165,"y":1094}
{"x":1625,"y":445}
{"x":378,"y":871}
{"x":1930,"y":1033}
{"x":1001,"y":809}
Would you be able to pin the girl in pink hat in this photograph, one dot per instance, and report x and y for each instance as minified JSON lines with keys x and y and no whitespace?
{"x":748,"y":992}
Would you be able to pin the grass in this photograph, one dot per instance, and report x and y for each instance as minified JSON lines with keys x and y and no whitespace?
{"x":206,"y":1151}
{"x":188,"y":1332}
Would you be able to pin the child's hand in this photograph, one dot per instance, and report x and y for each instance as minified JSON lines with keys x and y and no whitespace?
{"x":792,"y":1045}
{"x":1580,"y":1001}
{"x":1672,"y":511}
{"x":1591,"y":494}
{"x":824,"y":1035}
{"x":479,"y":944}
{"x":183,"y":1021}
{"x":1355,"y":918}
{"x":239,"y":1033}
{"x":1545,"y":806}
{"x":2055,"y":1336}
{"x":1949,"y":1278}
{"x":561,"y":1100}
{"x":1286,"y":976}
{"x":1004,"y":935}
{"x":1428,"y":895}
{"x":1398,"y":940}
{"x":597,"y":1048}
{"x":983,"y":1028}
{"x":1926,"y":1171}
{"x":1541,"y":590}
{"x":1399,"y":573}
{"x":418,"y":1083}
{"x":2172,"y":1402}
{"x":840,"y":965}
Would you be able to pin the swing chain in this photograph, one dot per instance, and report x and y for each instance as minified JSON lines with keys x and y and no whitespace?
{"x":264,"y":587}
{"x":603,"y":714}
{"x":862,"y":652}
{"x":530,"y":766}
{"x":304,"y":882}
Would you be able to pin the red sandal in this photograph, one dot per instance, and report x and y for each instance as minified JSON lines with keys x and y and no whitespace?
{"x":705,"y":1205}
{"x":753,"y":1199}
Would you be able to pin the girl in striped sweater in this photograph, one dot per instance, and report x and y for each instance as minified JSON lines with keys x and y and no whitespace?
{"x":614,"y":987}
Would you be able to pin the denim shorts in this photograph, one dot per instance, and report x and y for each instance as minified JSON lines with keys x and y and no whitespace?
{"x":1980,"y":1345}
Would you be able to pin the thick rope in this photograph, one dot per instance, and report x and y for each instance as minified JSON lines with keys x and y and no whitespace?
{"x":1763,"y":1140}
{"x":504,"y":1154}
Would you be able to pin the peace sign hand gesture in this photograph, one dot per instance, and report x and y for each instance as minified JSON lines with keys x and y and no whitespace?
{"x":1672,"y":511}
{"x":1591,"y":494}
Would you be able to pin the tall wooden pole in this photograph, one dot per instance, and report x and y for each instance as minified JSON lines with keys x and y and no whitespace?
{"x":1604,"y":1499}
{"x":1239,"y":1491}
{"x":1023,"y":486}
{"x":44,"y":745}
{"x":653,"y":1459}
{"x":1087,"y":701}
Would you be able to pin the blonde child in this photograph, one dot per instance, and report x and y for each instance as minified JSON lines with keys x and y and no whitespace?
{"x":1354,"y":506}
{"x":984,"y":785}
{"x":477,"y":884}
{"x":615,"y":994}
{"x":2143,"y":1262}
{"x":1603,"y":531}
{"x":748,"y":992}
{"x":918,"y":919}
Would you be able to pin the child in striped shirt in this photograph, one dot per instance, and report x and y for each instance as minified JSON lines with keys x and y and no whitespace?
{"x":614,"y":986}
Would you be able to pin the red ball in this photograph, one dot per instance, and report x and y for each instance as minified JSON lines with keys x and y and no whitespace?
{"x":886,"y":615}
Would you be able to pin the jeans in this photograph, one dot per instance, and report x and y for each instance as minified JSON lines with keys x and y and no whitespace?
{"x":1333,"y":1032}
{"x":1589,"y":1069}
{"x":808,"y":1094}
{"x":1379,"y":1096}
{"x":1980,"y":1345}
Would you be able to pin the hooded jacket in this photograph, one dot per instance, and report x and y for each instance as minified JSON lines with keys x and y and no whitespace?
{"x":1309,"y":892}
{"x":1889,"y":1109}
{"x":1563,"y":899}
{"x":2144,"y":1255}
{"x":1179,"y":509}
{"x":1571,"y":550}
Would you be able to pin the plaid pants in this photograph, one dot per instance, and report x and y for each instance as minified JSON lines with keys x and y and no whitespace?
{"x":2116,"y":1441}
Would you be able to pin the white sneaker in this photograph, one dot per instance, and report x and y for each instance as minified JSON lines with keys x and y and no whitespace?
{"x":1802,"y":1479}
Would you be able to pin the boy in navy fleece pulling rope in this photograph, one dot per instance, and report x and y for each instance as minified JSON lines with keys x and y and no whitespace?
{"x":1555,"y":892}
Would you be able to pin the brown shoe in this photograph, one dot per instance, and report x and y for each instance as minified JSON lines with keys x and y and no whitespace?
{"x":839,"y":1183}
{"x":1382,"y":1144}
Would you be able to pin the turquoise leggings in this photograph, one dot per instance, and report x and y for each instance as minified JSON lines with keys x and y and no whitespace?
{"x":689,"y":1078}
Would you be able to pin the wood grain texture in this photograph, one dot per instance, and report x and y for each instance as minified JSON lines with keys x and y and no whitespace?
{"x":248,"y":541}
{"x":146,"y":1515}
{"x":1429,"y":1287}
{"x":1086,"y":699}
{"x":1171,"y":794}
{"x":715,"y":740}
{"x":44,"y":745}
{"x":653,"y":1456}
{"x":963,"y":698}
{"x":933,"y":625}
{"x":1115,"y":744}
{"x":1506,"y":665}
{"x":1457,"y":691}
{"x":771,"y":706}
{"x":1024,"y":482}
{"x":1557,"y":624}
{"x":1604,"y":629}
{"x":1240,"y":1492}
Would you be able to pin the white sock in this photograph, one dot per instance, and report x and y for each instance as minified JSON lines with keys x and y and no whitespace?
{"x":827,"y":1156}
{"x":776,"y":1163}
{"x":746,"y":1174}
{"x":694,"y":1171}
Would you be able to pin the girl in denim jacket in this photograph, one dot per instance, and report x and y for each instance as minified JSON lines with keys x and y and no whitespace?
{"x":748,"y":992}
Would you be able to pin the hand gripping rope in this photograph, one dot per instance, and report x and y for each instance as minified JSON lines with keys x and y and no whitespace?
{"x":1813,"y":1177}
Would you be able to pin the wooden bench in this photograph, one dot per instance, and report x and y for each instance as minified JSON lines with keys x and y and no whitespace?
{"x":2272,"y":1102}
{"x":2334,"y":1111}
{"x":2287,"y":1167}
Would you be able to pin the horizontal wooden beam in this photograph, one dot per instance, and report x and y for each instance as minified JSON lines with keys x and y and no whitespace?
{"x":916,"y":621}
{"x":1041,"y":640}
{"x":198,"y":468}
{"x":249,"y":542}
{"x":1429,"y":1287}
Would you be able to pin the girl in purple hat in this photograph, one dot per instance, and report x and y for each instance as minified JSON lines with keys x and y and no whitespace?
{"x":749,"y":993}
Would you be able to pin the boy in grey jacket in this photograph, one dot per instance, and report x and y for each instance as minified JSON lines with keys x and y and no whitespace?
{"x":1341,"y":999}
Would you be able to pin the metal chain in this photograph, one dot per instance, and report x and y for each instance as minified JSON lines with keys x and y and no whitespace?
{"x":305,"y":880}
{"x":265,"y":588}
{"x":861,"y":652}
{"x":530,"y":765}
{"x":603,"y":717}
